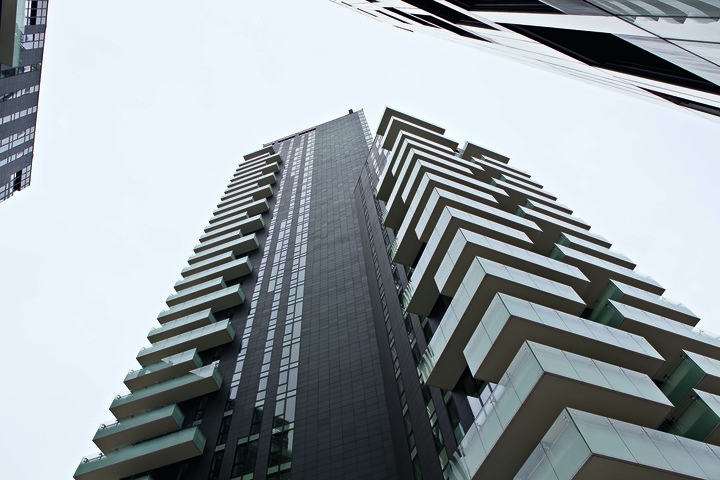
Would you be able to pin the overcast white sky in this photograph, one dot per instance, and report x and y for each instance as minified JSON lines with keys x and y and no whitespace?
{"x":146,"y":109}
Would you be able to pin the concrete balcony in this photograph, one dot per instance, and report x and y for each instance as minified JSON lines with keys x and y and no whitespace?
{"x":240,"y":246}
{"x":209,"y":263}
{"x":165,"y":369}
{"x":644,"y":300}
{"x":243,"y":182}
{"x":216,"y":301}
{"x":443,"y":361}
{"x":253,"y":208}
{"x":254,"y":193}
{"x":519,"y":196}
{"x":201,"y":339}
{"x":552,"y":229}
{"x":691,"y":371}
{"x":245,"y":226}
{"x":583,"y":446}
{"x":540,"y":382}
{"x":424,"y":173}
{"x":212,"y":227}
{"x":667,"y":336}
{"x":559,"y":214}
{"x":263,"y":180}
{"x":262,"y":153}
{"x":595,"y":250}
{"x":698,"y":417}
{"x":406,"y":143}
{"x":262,"y":168}
{"x":181,"y":325}
{"x":198,"y":382}
{"x":527,"y":183}
{"x":210,"y":286}
{"x":422,"y":291}
{"x":220,"y":239}
{"x":509,"y":321}
{"x":156,"y":453}
{"x":600,"y":272}
{"x":136,"y":429}
{"x":397,"y":125}
{"x":227,"y":271}
{"x":477,"y":153}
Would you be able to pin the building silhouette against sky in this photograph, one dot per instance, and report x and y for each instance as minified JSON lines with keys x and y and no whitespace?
{"x":658,"y":49}
{"x":401,"y":306}
{"x":22,"y":38}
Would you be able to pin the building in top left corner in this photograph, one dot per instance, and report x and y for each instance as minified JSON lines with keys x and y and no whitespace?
{"x":22,"y":39}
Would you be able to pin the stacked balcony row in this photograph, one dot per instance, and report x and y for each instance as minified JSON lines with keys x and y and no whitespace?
{"x":150,"y":430}
{"x":522,"y":294}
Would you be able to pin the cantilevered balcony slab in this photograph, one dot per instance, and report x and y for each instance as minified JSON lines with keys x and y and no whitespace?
{"x":639,"y":298}
{"x":583,"y":446}
{"x":244,"y":182}
{"x":421,"y":293}
{"x":509,"y":321}
{"x":253,"y":208}
{"x":405,"y":143}
{"x":207,"y":264}
{"x":141,"y":427}
{"x":240,"y":246}
{"x":527,"y":183}
{"x":397,"y":125}
{"x":540,"y":382}
{"x":201,"y":339}
{"x":204,"y":288}
{"x":559,"y":214}
{"x":667,"y":336}
{"x":600,"y":272}
{"x":227,"y":271}
{"x":468,"y":245}
{"x":198,"y":382}
{"x":595,"y":250}
{"x":254,"y":193}
{"x":181,"y":325}
{"x":519,"y":196}
{"x":689,"y":371}
{"x":443,"y":361}
{"x":409,"y":183}
{"x":214,"y":227}
{"x":269,"y":179}
{"x":697,"y":417}
{"x":165,"y":369}
{"x":149,"y":455}
{"x":245,"y":226}
{"x":472,"y":151}
{"x":552,"y":228}
{"x":216,"y":301}
{"x":264,"y":152}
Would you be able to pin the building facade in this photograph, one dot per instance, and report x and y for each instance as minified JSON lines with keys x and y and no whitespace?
{"x":399,"y":306}
{"x":22,"y":39}
{"x":661,"y":50}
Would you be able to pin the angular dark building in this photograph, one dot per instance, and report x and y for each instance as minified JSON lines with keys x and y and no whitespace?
{"x":661,"y":50}
{"x":22,"y":38}
{"x":404,"y":307}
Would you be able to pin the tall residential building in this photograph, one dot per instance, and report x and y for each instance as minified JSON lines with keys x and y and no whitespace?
{"x":22,"y":38}
{"x":404,"y":307}
{"x":666,"y":50}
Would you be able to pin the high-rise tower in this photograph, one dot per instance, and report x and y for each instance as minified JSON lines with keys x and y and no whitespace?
{"x":22,"y":38}
{"x":657,"y":49}
{"x":403,"y":307}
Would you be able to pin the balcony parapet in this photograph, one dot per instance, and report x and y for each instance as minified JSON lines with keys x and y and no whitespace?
{"x":198,"y":382}
{"x":595,"y":250}
{"x":149,"y":455}
{"x":245,"y":226}
{"x":644,"y":300}
{"x":166,"y":369}
{"x":228,"y":271}
{"x":584,"y":446}
{"x":136,"y":429}
{"x":181,"y":325}
{"x":443,"y":361}
{"x":216,"y":301}
{"x":201,"y":339}
{"x":240,"y":246}
{"x":204,"y":288}
{"x":206,"y":264}
{"x":540,"y":382}
{"x":510,"y":321}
